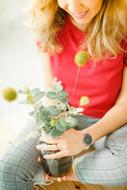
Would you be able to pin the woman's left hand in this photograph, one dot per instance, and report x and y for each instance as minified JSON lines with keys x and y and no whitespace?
{"x":68,"y":144}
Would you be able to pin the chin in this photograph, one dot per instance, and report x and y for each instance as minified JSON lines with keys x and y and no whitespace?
{"x":82,"y":21}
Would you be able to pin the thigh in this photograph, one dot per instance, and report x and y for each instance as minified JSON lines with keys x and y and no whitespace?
{"x":18,"y":165}
{"x":85,"y":121}
{"x":116,"y":141}
{"x":106,"y":166}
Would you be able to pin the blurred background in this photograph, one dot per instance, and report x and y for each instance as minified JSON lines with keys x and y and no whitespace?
{"x":20,"y":60}
{"x":20,"y":64}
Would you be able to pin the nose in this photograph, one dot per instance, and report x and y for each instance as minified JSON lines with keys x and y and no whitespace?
{"x":75,"y":6}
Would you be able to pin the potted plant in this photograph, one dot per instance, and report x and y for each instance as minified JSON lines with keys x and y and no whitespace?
{"x":53,"y":120}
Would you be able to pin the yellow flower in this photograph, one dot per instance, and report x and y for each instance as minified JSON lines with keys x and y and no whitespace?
{"x":26,"y":90}
{"x":81,"y":58}
{"x":84,"y":100}
{"x":10,"y":94}
{"x":30,"y":99}
{"x":53,"y":122}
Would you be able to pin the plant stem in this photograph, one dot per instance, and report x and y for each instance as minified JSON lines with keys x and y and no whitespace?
{"x":76,"y":80}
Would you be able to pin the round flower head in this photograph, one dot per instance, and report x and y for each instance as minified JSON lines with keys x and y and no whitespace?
{"x":9,"y":94}
{"x":81,"y":58}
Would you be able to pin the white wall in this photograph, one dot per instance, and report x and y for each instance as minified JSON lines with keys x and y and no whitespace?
{"x":20,"y":61}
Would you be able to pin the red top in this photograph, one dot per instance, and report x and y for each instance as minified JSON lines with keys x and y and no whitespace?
{"x":100,"y":81}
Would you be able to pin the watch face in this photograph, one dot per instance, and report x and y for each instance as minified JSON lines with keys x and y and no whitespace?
{"x":87,"y":139}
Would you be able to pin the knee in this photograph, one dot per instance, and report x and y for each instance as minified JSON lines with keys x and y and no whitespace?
{"x":13,"y":168}
{"x":116,"y":142}
{"x":7,"y":174}
{"x":9,"y":168}
{"x":14,"y":173}
{"x":102,"y":168}
{"x":109,"y":177}
{"x":118,"y":178}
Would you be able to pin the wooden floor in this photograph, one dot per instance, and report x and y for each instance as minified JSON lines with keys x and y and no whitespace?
{"x":78,"y":186}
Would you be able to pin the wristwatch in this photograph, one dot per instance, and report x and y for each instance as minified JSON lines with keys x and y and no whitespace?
{"x":87,"y":140}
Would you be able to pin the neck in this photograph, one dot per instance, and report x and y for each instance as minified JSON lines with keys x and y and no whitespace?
{"x":81,"y":27}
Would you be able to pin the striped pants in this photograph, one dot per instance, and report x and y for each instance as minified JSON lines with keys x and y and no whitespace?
{"x":106,"y":165}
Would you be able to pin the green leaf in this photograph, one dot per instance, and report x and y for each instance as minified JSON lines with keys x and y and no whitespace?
{"x":61,"y":125}
{"x":63,"y":93}
{"x":34,"y":91}
{"x":55,"y":132}
{"x":61,"y":106}
{"x":53,"y":110}
{"x":33,"y":113}
{"x":38,"y":105}
{"x":64,"y":100}
{"x":62,"y":96}
{"x":39,"y":95}
{"x":71,"y":121}
{"x":57,"y":86}
{"x":84,"y":100}
{"x":51,"y":95}
{"x":25,"y":91}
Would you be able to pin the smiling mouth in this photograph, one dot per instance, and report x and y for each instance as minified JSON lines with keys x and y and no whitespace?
{"x":81,"y":15}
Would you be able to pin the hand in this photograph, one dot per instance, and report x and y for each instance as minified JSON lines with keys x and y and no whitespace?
{"x":69,"y":177}
{"x":69,"y":143}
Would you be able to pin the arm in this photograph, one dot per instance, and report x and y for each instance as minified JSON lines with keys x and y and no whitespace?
{"x":48,"y":77}
{"x":114,"y":118}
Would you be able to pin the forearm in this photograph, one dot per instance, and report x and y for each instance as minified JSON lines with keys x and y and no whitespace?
{"x":113,"y":119}
{"x":47,"y":72}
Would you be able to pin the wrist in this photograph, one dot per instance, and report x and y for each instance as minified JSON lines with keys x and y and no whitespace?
{"x":87,"y":139}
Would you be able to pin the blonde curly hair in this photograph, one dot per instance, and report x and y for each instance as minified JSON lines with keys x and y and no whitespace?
{"x":104,"y":32}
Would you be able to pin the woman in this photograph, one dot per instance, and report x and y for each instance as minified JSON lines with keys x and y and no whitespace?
{"x":65,"y":27}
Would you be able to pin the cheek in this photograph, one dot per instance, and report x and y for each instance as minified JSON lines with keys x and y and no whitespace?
{"x":93,"y":4}
{"x":62,"y":3}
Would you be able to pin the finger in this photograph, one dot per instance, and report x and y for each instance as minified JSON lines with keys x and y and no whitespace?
{"x":64,"y":178}
{"x":56,"y":155}
{"x":50,"y":147}
{"x":39,"y":160}
{"x":42,"y":147}
{"x":47,"y":177}
{"x":60,"y":179}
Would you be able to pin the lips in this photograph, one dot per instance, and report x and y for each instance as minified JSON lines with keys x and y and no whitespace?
{"x":80,"y":15}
